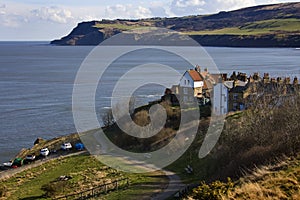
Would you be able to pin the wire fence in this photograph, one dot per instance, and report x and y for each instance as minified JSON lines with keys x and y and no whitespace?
{"x":98,"y":190}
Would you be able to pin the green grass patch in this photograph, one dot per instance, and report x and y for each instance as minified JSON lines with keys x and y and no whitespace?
{"x":86,"y":172}
{"x":123,"y":27}
{"x":256,"y":28}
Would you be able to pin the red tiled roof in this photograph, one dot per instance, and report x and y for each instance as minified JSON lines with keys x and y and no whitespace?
{"x":195,"y":75}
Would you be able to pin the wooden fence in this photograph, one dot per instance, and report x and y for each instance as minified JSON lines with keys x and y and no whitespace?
{"x":98,"y":190}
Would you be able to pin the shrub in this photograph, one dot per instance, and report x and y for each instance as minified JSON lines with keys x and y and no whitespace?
{"x":55,"y":188}
{"x":212,"y":191}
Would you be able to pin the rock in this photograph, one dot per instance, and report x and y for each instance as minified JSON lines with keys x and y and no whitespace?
{"x":38,"y":141}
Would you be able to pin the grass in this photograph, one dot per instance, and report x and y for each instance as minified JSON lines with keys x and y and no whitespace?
{"x":123,"y":27}
{"x":279,"y":181}
{"x":141,"y":186}
{"x":86,"y":172}
{"x":256,"y":28}
{"x":273,"y":182}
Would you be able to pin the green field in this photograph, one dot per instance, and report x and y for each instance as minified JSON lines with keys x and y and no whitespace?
{"x":123,"y":27}
{"x":256,"y":28}
{"x":86,"y":172}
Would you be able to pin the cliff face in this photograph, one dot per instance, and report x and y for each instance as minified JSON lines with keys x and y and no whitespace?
{"x":86,"y":34}
{"x":275,"y":25}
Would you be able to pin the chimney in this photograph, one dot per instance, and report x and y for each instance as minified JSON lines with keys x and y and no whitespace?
{"x":295,"y":82}
{"x":287,"y":80}
{"x":273,"y":80}
{"x":250,"y":79}
{"x":256,"y":76}
{"x":224,"y":77}
{"x":198,"y":68}
{"x":266,"y":78}
{"x":244,"y":77}
{"x":233,"y":76}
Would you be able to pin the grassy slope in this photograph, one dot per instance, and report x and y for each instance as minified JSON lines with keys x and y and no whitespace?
{"x":120,"y":26}
{"x":279,"y":181}
{"x":272,"y":182}
{"x":86,"y":172}
{"x":273,"y":26}
{"x":256,"y":28}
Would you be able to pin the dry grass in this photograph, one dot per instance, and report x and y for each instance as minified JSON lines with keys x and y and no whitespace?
{"x":274,"y":182}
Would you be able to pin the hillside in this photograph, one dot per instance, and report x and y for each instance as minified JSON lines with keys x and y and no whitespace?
{"x":276,"y":25}
{"x":278,"y":181}
{"x":250,"y":140}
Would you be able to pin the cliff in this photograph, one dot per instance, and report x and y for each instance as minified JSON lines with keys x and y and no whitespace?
{"x":276,"y":25}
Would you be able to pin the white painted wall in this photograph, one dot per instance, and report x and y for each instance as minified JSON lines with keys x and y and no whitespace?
{"x":220,"y":99}
{"x":198,"y":84}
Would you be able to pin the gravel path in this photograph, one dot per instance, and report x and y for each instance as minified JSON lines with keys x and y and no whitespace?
{"x":174,"y":186}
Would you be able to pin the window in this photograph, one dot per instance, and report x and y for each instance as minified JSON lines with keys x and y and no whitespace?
{"x":185,"y":90}
{"x":185,"y":99}
{"x":188,"y":82}
{"x":235,"y":96}
{"x":184,"y":82}
{"x":235,"y":106}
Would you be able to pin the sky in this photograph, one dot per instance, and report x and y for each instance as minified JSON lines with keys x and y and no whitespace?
{"x":45,"y":20}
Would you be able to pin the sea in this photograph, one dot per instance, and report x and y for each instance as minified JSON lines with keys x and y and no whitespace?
{"x":37,"y":81}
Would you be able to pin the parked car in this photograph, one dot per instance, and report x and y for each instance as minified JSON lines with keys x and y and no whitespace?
{"x":66,"y":146}
{"x":44,"y":151}
{"x":7,"y":164}
{"x":79,"y":146}
{"x":18,"y":162}
{"x":30,"y":157}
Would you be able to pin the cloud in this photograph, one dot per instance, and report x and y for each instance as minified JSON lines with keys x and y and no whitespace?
{"x":158,"y":9}
{"x":11,"y":20}
{"x":188,"y":3}
{"x":127,"y":11}
{"x":195,"y":7}
{"x":52,"y":14}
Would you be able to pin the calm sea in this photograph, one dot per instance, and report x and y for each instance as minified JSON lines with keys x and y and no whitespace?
{"x":36,"y":83}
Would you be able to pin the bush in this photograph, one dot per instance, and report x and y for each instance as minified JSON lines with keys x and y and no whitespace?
{"x":55,"y":188}
{"x":258,"y":136}
{"x":212,"y":191}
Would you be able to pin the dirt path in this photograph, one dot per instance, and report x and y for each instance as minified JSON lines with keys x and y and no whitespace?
{"x":175,"y":185}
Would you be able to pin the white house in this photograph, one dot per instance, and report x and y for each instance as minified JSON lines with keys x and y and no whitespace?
{"x":220,"y":99}
{"x":191,"y":84}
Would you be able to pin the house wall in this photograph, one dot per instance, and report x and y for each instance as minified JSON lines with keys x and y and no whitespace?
{"x":237,"y":101}
{"x":198,"y":84}
{"x":186,"y":94}
{"x":194,"y":87}
{"x":186,"y":81}
{"x":198,"y":92}
{"x":220,"y":99}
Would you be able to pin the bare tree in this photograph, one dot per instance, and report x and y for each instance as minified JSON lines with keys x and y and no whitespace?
{"x":107,"y":118}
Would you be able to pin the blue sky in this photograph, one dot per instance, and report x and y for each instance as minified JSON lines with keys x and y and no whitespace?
{"x":51,"y":19}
